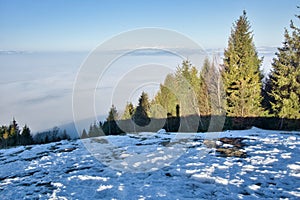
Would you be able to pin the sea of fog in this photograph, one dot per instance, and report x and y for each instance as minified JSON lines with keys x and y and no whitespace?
{"x":36,"y":87}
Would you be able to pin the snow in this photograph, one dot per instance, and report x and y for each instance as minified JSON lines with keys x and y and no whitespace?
{"x":155,"y":166}
{"x":104,"y":187}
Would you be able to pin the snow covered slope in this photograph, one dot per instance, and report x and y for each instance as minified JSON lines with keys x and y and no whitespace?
{"x":155,"y":166}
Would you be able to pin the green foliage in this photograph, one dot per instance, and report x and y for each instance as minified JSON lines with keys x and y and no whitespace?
{"x":26,"y":137}
{"x":141,"y":114}
{"x":95,"y":130}
{"x":203,"y":94}
{"x":113,"y":114}
{"x":110,"y":126}
{"x":165,"y":97}
{"x":182,"y":88}
{"x":284,"y":82}
{"x":186,"y":88}
{"x":65,"y":136}
{"x":198,"y":92}
{"x":241,"y":74}
{"x":84,"y":134}
{"x":12,"y":136}
{"x":129,"y":111}
{"x":53,"y":135}
{"x":144,"y":103}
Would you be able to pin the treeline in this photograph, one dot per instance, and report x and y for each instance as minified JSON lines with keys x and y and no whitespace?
{"x":49,"y":136}
{"x":236,"y":89}
{"x":246,"y":94}
{"x":139,"y":115}
{"x":12,"y":135}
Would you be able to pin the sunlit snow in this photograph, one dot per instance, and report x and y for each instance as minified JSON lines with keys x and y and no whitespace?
{"x":67,"y":170}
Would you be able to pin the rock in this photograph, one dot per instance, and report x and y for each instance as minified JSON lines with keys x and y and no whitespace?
{"x":237,"y":142}
{"x":210,"y":143}
{"x":231,"y":152}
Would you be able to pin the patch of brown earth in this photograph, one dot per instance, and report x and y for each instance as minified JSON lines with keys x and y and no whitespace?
{"x":227,"y":147}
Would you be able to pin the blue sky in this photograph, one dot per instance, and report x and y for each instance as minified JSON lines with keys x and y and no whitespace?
{"x":75,"y":25}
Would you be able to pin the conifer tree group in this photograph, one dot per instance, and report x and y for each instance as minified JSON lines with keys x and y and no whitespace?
{"x":12,"y":135}
{"x":237,"y":88}
{"x":284,"y":81}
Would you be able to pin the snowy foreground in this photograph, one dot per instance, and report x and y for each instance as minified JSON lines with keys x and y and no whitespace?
{"x":156,"y":166}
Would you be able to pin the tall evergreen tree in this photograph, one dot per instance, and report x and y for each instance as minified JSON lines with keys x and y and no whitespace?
{"x":187,"y":88}
{"x":65,"y":136}
{"x":112,"y":114}
{"x":284,"y":82}
{"x":166,"y":96}
{"x":241,"y":76}
{"x":203,"y":93}
{"x":141,"y":117}
{"x":110,"y":126}
{"x":129,"y":111}
{"x":84,"y":134}
{"x":26,"y":138}
{"x":13,"y":134}
{"x":4,"y":136}
{"x":94,"y":130}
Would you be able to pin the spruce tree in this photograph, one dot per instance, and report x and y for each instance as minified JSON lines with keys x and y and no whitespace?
{"x":145,"y":103}
{"x":110,"y":127}
{"x":95,"y":130}
{"x":187,"y":88}
{"x":129,"y":110}
{"x":241,"y":75}
{"x":5,"y":135}
{"x":84,"y":134}
{"x":203,"y":94}
{"x":141,"y":117}
{"x":112,"y":114}
{"x":284,"y":80}
{"x":166,"y":97}
{"x":65,"y":136}
{"x":26,"y":138}
{"x":14,"y":133}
